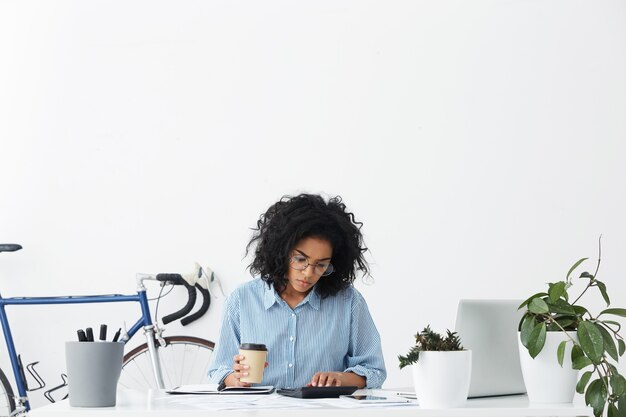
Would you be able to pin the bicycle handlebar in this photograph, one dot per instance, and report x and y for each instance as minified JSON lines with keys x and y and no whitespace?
{"x":9,"y":247}
{"x":206,"y":302}
{"x":177,"y":279}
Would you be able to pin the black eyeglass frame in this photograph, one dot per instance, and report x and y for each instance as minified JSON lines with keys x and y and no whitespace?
{"x":329,"y":269}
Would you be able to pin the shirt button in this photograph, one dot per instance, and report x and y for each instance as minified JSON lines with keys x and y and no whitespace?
{"x":291,"y":365}
{"x":291,"y":338}
{"x":293,"y":314}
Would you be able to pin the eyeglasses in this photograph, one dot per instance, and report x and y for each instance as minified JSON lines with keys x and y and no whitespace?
{"x":300,"y":263}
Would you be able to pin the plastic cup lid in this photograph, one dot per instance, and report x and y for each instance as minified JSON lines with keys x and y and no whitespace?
{"x":252,"y":346}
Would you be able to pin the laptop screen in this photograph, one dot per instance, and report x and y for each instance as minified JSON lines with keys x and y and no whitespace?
{"x":489,"y":329}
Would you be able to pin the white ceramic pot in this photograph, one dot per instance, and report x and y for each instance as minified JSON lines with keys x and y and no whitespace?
{"x":442,"y":379}
{"x":546,"y":381}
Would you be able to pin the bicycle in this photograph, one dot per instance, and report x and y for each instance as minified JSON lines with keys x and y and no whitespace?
{"x":161,"y":362}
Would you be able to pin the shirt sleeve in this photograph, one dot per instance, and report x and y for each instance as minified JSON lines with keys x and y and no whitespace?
{"x":228,"y":342}
{"x":365,"y":355}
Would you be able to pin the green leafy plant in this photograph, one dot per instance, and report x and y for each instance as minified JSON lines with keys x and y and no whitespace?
{"x":428,"y":340}
{"x":599,"y":343}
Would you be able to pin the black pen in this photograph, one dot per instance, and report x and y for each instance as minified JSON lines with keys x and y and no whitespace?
{"x":103,"y":332}
{"x":117,"y":335}
{"x":89,"y":334}
{"x":81,"y":336}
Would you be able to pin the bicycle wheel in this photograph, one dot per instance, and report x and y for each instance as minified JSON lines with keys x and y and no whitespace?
{"x":7,"y":400}
{"x":184,"y":360}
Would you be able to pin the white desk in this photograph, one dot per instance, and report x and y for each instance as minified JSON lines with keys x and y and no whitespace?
{"x":156,"y":404}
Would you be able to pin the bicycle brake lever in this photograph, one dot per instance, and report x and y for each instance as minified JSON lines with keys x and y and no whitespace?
{"x":212,"y":282}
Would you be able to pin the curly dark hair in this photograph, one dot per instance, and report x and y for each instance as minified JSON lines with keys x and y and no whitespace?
{"x":292,"y":219}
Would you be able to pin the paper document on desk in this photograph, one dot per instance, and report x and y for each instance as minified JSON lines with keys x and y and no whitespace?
{"x":343,"y":403}
{"x":220,"y":389}
{"x":239,"y":402}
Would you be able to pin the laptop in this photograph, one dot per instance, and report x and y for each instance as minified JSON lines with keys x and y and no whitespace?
{"x":489,"y":329}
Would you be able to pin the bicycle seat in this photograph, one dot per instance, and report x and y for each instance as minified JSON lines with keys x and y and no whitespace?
{"x":9,"y":247}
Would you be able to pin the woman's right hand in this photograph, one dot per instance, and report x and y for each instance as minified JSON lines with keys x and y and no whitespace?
{"x":234,"y":379}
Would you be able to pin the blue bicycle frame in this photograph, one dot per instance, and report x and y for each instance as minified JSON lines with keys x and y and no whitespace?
{"x":145,"y":321}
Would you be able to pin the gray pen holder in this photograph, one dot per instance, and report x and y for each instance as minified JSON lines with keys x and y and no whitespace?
{"x":93,"y":369}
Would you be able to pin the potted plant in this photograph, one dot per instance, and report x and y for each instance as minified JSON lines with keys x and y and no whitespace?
{"x":588,"y":342}
{"x":441,"y":369}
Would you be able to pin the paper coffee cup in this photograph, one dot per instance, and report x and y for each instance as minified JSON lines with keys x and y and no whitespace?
{"x":255,"y":356}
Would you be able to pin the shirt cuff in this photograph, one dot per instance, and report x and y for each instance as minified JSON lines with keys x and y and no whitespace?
{"x":373,"y":377}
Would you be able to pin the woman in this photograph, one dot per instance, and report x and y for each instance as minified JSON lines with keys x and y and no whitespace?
{"x":304,"y":308}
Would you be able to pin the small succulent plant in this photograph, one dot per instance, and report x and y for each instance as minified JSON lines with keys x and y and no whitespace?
{"x":428,"y":340}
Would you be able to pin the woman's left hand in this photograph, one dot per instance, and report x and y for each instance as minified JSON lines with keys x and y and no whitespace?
{"x":327,"y":379}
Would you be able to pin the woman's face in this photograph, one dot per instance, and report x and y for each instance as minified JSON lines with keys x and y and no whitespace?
{"x":318,"y":253}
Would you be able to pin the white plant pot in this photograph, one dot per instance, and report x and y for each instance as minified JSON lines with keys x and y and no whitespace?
{"x":442,"y":379}
{"x":546,"y":381}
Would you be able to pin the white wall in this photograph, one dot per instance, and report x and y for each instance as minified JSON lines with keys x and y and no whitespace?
{"x":482,"y":144}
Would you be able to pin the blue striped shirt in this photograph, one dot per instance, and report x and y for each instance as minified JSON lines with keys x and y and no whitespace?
{"x":336,"y":333}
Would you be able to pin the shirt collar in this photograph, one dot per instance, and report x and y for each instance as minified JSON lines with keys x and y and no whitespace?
{"x":270,"y":296}
{"x":313,"y":298}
